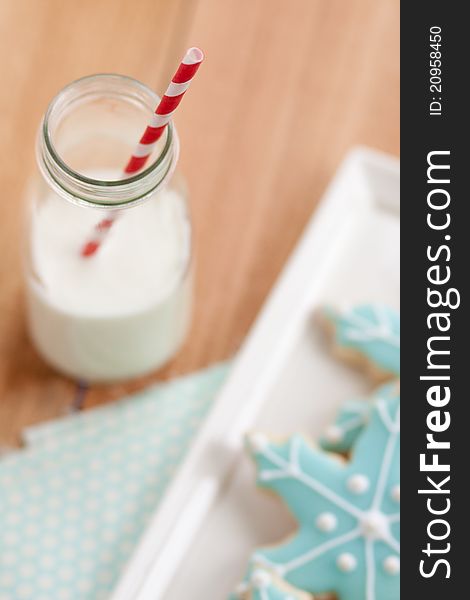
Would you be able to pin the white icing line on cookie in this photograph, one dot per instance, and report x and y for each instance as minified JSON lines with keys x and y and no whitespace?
{"x":270,"y":475}
{"x":367,"y":331}
{"x":394,"y":545}
{"x":290,"y":468}
{"x":370,"y":570}
{"x":294,"y":453}
{"x":393,"y":426}
{"x":386,"y":461}
{"x":319,"y":550}
{"x":393,"y":518}
{"x":381,"y":315}
{"x":310,"y":482}
{"x":352,"y":423}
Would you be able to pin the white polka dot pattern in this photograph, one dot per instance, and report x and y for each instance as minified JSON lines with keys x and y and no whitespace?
{"x":74,"y":503}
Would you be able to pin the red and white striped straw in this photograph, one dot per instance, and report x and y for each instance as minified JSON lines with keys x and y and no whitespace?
{"x":163,"y":113}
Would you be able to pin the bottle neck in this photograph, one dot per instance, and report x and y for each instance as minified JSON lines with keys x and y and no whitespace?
{"x":88,"y":133}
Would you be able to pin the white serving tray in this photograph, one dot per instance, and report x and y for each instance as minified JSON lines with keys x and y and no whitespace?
{"x":284,"y":379}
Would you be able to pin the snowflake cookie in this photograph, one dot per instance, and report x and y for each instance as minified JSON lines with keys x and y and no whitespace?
{"x":367,"y":334}
{"x":348,"y":512}
{"x":260,"y":584}
{"x":353,"y":417}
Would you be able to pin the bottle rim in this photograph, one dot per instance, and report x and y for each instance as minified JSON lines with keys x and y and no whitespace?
{"x":114,"y":193}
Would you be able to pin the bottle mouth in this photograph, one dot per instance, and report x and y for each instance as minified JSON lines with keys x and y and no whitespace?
{"x":92,"y":126}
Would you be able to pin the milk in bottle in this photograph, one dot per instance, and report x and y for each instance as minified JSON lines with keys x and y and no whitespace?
{"x":125,"y":310}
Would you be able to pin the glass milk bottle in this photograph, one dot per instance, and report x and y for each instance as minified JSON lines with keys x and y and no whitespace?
{"x":123,"y":311}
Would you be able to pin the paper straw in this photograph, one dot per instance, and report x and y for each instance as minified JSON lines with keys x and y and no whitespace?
{"x":158,"y":123}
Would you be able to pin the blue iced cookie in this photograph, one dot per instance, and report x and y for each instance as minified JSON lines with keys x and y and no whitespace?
{"x":348,"y":513}
{"x":260,"y":584}
{"x":367,"y":333}
{"x":353,"y":417}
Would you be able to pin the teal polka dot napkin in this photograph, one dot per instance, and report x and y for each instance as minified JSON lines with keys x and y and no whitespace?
{"x":75,"y":501}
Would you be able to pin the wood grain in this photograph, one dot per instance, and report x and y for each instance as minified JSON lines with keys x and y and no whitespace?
{"x":286,"y":89}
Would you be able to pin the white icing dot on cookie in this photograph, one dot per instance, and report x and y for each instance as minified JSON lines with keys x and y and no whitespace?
{"x":257,"y":442}
{"x":241,"y":589}
{"x":391,"y":565}
{"x":260,"y":579}
{"x":326,"y":522}
{"x":374,"y":525}
{"x":346,"y":562}
{"x":334,"y":434}
{"x":396,"y":493}
{"x":358,"y":484}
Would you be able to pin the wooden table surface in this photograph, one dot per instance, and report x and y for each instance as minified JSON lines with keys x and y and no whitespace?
{"x":286,"y":89}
